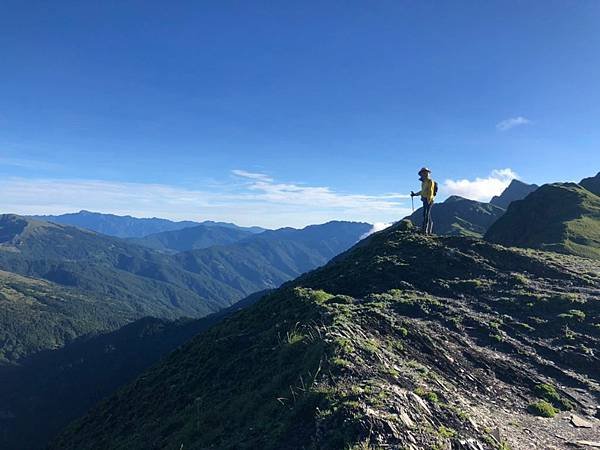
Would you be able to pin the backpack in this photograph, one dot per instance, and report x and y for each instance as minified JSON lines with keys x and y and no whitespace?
{"x":435,"y":188}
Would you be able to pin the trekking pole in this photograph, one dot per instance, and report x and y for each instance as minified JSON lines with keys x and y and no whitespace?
{"x":412,"y":201}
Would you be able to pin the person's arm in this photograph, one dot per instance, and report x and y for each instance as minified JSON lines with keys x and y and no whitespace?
{"x":415,"y":194}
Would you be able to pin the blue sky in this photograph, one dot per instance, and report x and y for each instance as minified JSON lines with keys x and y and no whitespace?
{"x":289,"y":113}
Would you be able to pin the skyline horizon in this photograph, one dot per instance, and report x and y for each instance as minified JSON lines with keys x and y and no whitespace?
{"x":490,"y":188}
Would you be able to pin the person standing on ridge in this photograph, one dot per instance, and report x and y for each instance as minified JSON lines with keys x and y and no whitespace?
{"x":428,"y":192}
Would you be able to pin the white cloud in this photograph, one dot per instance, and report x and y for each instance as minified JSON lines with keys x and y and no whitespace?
{"x":259,"y":201}
{"x":512,"y":122}
{"x":481,"y":189}
{"x":263,"y":188}
{"x":378,"y":226}
{"x":251,"y":175}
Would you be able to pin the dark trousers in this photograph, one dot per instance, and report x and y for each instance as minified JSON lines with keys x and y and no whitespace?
{"x":427,"y":226}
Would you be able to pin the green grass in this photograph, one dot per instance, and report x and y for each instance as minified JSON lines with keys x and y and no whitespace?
{"x":560,"y":217}
{"x":549,"y":393}
{"x":496,"y":337}
{"x":542,"y":408}
{"x":269,"y":397}
{"x":428,"y":395}
{"x":521,"y":279}
{"x":446,"y":432}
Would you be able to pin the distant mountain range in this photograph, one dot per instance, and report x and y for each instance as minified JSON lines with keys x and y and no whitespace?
{"x":516,"y":190}
{"x":111,"y":281}
{"x":268,"y":259}
{"x":562,"y":217}
{"x":193,"y":238}
{"x":142,"y":280}
{"x":331,"y":236}
{"x":127,"y":226}
{"x":458,"y":216}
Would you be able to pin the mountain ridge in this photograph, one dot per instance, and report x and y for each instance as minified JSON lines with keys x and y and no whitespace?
{"x":516,"y":190}
{"x":403,"y":341}
{"x":129,"y":226}
{"x":192,"y":238}
{"x":592,"y":184}
{"x":562,"y":217}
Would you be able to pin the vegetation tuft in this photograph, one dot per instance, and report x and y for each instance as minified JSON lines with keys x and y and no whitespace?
{"x":542,"y":408}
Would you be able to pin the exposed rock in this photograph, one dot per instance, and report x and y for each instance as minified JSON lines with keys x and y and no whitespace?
{"x":496,"y":435}
{"x":592,"y":444}
{"x":579,"y":422}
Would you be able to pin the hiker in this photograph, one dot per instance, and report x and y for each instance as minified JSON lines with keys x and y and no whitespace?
{"x":428,"y":192}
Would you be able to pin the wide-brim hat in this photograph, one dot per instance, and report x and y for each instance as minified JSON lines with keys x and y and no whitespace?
{"x":424,"y":170}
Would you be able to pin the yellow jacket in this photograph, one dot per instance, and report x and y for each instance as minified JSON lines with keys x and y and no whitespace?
{"x":426,"y":191}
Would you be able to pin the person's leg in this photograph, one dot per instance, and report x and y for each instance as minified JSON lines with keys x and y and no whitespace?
{"x":426,"y":217}
{"x":430,"y":220}
{"x":425,"y":224}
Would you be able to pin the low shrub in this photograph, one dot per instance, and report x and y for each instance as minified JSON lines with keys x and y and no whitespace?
{"x":542,"y":408}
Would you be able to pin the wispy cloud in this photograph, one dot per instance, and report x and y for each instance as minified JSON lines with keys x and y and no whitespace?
{"x":266,"y":189}
{"x":481,"y":189}
{"x":512,"y":122}
{"x":252,"y":175}
{"x":30,"y":164}
{"x":258,"y":200}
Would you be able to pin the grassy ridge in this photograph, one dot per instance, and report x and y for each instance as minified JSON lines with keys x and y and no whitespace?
{"x":401,"y":341}
{"x":562,"y":217}
{"x":251,"y":361}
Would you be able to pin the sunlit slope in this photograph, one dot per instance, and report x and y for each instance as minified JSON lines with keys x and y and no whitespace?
{"x":404,"y":341}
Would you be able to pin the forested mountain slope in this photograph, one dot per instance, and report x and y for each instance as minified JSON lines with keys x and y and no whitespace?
{"x":47,"y":390}
{"x":72,"y":281}
{"x":192,"y":238}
